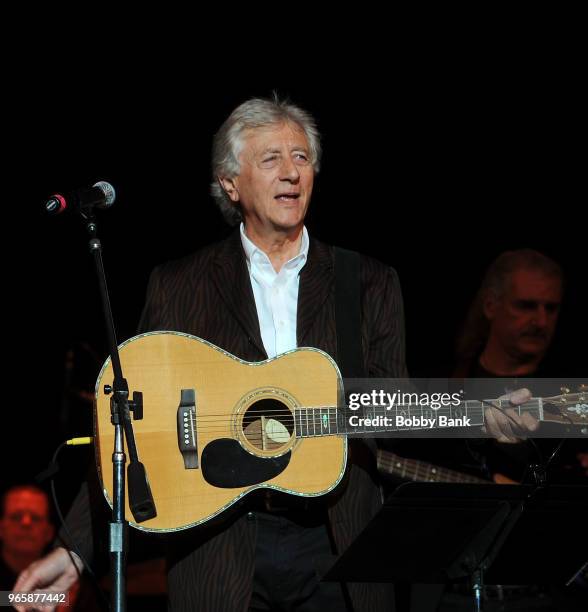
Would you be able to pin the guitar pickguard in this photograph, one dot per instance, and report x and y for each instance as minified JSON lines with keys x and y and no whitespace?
{"x":225,"y":464}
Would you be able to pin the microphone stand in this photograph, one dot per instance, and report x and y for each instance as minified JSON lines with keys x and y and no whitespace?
{"x":140,"y":498}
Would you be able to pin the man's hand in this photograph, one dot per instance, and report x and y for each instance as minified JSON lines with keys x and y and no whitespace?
{"x":511,"y":428}
{"x":54,"y":573}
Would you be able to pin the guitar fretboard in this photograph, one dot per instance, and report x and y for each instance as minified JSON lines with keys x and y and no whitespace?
{"x":367,"y":421}
{"x":421,"y":471}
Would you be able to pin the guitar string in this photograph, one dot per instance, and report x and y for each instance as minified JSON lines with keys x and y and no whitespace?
{"x":313,"y":417}
{"x":311,"y":427}
{"x":303,"y":416}
{"x":469,"y":409}
{"x":318,"y":416}
{"x":207,"y":422}
{"x":314,"y":428}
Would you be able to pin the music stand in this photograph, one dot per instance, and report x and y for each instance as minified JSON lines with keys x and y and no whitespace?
{"x":437,"y":532}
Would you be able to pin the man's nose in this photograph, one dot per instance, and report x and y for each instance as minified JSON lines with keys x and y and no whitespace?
{"x":289,"y":170}
{"x":541,"y":318}
{"x":26,"y":519}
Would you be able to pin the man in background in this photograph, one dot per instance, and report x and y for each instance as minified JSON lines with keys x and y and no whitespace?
{"x":513,"y":318}
{"x":25,"y":531}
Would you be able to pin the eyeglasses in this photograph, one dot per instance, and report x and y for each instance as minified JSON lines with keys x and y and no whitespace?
{"x":18,"y":517}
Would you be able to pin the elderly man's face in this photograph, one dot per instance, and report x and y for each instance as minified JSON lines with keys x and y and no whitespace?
{"x":524,"y":318}
{"x":275,"y":181}
{"x":25,"y":527}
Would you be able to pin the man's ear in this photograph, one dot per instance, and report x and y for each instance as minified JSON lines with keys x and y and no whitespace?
{"x":490,"y":305}
{"x":230,"y":187}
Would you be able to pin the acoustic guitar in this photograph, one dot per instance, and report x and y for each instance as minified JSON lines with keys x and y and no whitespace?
{"x":215,"y":427}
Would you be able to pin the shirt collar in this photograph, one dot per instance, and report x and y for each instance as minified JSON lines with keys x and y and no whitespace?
{"x":253,"y":251}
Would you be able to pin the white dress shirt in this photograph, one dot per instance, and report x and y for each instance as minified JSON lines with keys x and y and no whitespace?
{"x":276,"y":294}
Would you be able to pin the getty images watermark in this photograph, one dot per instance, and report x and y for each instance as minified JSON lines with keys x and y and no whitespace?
{"x":381,"y":399}
{"x":459,"y":407}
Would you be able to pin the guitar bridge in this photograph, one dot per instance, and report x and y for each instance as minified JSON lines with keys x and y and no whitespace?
{"x":187,"y":442}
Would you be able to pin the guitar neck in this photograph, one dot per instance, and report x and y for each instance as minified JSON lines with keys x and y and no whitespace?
{"x":328,"y":420}
{"x":421,"y":471}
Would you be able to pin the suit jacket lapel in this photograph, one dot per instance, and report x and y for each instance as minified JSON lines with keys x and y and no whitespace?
{"x":231,"y":278}
{"x":316,"y":282}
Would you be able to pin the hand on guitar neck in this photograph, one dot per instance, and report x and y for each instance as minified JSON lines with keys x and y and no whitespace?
{"x":508,"y":425}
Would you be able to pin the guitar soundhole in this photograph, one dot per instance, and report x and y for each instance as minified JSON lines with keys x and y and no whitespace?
{"x":268,"y":424}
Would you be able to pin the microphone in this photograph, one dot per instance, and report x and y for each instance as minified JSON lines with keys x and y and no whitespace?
{"x":100,"y":195}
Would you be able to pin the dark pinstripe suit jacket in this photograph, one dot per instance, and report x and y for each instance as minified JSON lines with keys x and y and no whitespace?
{"x":209,"y":295}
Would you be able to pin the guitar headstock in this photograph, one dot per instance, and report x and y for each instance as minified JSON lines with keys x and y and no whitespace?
{"x":568,"y":408}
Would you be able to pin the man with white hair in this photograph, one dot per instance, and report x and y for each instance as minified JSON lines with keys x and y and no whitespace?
{"x":267,"y":289}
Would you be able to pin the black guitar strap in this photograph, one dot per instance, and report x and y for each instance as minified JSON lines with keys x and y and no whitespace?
{"x":348,"y":322}
{"x":348,"y":314}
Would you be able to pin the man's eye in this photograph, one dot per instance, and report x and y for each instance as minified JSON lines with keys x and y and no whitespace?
{"x":17,"y":517}
{"x":269,"y":162}
{"x":301,"y":158}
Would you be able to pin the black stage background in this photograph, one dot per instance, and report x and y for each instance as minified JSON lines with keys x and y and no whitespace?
{"x":434,"y":172}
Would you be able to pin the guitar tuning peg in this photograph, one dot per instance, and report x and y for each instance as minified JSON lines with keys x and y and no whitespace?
{"x":583,"y":388}
{"x":564,"y":390}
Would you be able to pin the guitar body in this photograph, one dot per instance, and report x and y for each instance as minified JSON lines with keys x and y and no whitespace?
{"x":215,"y":427}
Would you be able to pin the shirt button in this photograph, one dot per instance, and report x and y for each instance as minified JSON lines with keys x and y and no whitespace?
{"x":250,"y":516}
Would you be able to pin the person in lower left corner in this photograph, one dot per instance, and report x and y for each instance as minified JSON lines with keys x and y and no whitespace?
{"x":25,"y":531}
